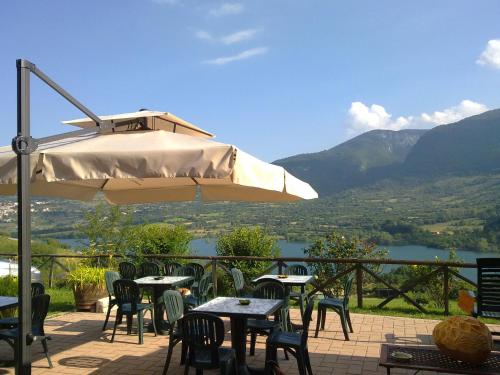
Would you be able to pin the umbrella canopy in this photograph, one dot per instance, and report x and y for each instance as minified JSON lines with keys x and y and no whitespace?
{"x":145,"y":119}
{"x":151,"y":166}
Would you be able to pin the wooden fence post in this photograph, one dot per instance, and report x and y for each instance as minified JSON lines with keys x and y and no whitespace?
{"x":51,"y":271}
{"x":359,"y":284}
{"x":214,"y":276}
{"x":446,"y":290}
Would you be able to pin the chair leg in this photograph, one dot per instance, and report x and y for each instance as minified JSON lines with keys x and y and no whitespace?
{"x":308,"y":362}
{"x":343,"y":321}
{"x":186,"y":367}
{"x":140,"y":326}
{"x":169,"y":353}
{"x":46,"y":351}
{"x":107,"y":317}
{"x":318,"y":322}
{"x":153,"y":323}
{"x":286,"y":354}
{"x":301,"y":306}
{"x":253,"y":339}
{"x":300,"y":362}
{"x":118,"y":319}
{"x":348,"y":316}
{"x":184,"y":349}
{"x":323,"y":318}
{"x":129,"y":324}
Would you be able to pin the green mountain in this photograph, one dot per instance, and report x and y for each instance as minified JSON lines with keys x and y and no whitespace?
{"x":357,"y":162}
{"x":466,"y":148}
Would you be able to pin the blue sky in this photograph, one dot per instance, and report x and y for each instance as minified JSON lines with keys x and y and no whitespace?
{"x":274,"y":77}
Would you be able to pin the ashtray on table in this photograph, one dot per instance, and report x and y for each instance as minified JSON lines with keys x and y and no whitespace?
{"x":282,"y":276}
{"x":401,"y":356}
{"x":158,"y":278}
{"x":244,"y":302}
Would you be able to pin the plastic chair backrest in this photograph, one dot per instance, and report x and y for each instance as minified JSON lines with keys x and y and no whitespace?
{"x":488,"y":284}
{"x":238,"y":280}
{"x":174,"y":306}
{"x":150,"y":269}
{"x":127,"y":291}
{"x":111,"y":277}
{"x":203,"y":333}
{"x":306,"y":320}
{"x":347,"y":291}
{"x":37,"y":289}
{"x":127,"y":270}
{"x":39,"y":309}
{"x":170,"y":268}
{"x":269,"y":289}
{"x":198,"y":270}
{"x":296,"y":269}
{"x":204,"y":287}
{"x":185,"y":271}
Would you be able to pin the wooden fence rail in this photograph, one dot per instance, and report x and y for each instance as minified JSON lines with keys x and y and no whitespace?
{"x":358,"y":267}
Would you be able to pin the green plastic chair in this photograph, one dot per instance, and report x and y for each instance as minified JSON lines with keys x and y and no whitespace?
{"x":170,"y":267}
{"x":37,"y":289}
{"x":204,"y":334}
{"x":294,"y":343}
{"x":128,"y":295}
{"x":298,"y":295}
{"x":202,"y":293}
{"x":340,"y":306}
{"x":269,"y":289}
{"x":110,"y":277}
{"x":238,"y":281}
{"x":39,"y":310}
{"x":174,"y":308}
{"x":127,"y":270}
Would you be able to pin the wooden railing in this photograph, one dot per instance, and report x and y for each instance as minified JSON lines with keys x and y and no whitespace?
{"x":360,"y":267}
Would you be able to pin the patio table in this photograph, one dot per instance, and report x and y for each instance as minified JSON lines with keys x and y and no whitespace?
{"x":290,"y":280}
{"x":238,"y":315}
{"x":8,"y":302}
{"x":429,"y":358}
{"x":159,"y":284}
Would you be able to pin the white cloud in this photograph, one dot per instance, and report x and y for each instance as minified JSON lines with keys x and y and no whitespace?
{"x":226,"y":9}
{"x":236,"y":37}
{"x":465,"y":109}
{"x":239,"y":36}
{"x":491,"y":55}
{"x":362,"y":118}
{"x":240,"y":56}
{"x":204,"y":35}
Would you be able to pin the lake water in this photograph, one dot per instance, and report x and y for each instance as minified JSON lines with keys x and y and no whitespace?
{"x":295,"y":249}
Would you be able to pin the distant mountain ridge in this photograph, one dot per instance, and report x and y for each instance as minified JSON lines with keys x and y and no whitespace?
{"x":468,"y":147}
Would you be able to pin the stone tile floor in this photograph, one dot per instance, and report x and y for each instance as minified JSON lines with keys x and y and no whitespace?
{"x":79,"y":346}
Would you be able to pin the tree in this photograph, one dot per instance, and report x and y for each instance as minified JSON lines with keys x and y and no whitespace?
{"x":335,"y":245}
{"x":159,"y":239}
{"x":248,"y":241}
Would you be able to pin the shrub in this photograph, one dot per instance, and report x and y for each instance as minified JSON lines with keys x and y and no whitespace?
{"x":159,"y":239}
{"x":8,"y":287}
{"x":336,"y":245}
{"x":429,"y":291}
{"x":247,"y":241}
{"x":86,"y":276}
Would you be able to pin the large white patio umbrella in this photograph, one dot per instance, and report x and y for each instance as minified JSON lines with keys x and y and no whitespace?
{"x":135,"y":157}
{"x":142,"y":166}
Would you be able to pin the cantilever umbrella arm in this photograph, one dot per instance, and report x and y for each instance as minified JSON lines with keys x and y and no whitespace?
{"x":23,"y":145}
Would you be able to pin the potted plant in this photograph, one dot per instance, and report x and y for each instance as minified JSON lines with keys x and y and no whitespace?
{"x":88,"y":284}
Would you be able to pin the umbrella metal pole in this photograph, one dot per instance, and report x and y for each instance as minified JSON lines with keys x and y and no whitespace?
{"x":23,"y":145}
{"x":23,"y":360}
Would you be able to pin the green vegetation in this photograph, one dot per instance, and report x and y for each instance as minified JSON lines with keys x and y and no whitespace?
{"x":85,"y":276}
{"x":159,"y":239}
{"x":336,"y":245}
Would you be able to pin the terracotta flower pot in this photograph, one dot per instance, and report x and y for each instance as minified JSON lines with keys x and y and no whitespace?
{"x":86,"y":296}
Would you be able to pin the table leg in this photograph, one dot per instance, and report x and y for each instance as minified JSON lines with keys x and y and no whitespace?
{"x":239,"y":344}
{"x":158,"y":312}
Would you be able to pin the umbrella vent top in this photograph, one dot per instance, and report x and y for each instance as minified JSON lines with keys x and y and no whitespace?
{"x":144,"y":120}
